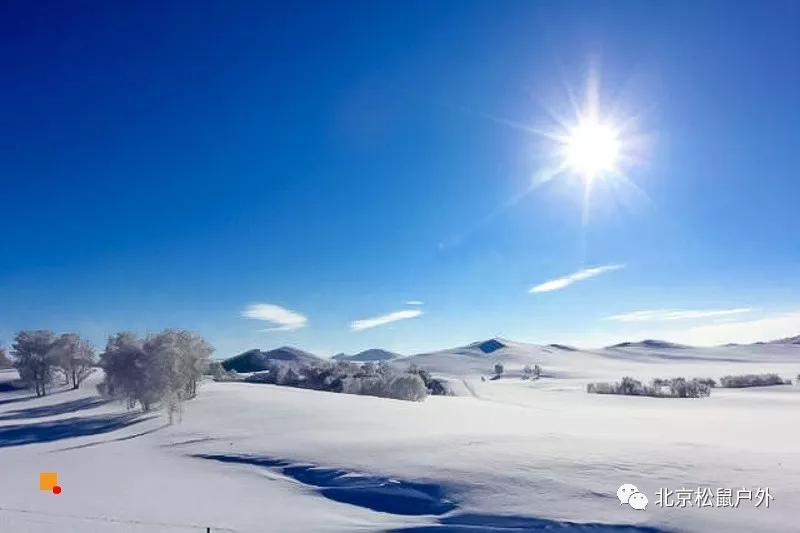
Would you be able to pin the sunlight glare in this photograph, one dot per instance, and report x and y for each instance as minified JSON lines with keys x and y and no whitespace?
{"x":592,"y":149}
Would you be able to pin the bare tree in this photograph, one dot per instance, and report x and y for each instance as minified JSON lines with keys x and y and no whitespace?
{"x":35,"y":358}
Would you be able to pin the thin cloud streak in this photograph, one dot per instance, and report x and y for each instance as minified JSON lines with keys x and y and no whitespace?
{"x":282,"y":318}
{"x":367,"y":323}
{"x":566,"y":281}
{"x":654,"y":315}
{"x":414,"y":302}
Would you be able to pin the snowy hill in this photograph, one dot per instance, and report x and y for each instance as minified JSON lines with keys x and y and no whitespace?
{"x":788,"y":340}
{"x":256,"y":360}
{"x":489,"y":346}
{"x":374,"y":354}
{"x":510,"y":455}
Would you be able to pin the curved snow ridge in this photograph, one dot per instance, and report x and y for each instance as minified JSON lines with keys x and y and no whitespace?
{"x":410,"y":498}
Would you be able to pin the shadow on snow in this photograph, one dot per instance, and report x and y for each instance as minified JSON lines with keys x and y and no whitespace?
{"x":54,"y":410}
{"x":488,"y":523}
{"x":377,"y":493}
{"x":397,"y":497}
{"x":66,"y":428}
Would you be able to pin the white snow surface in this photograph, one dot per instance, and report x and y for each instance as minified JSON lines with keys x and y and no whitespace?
{"x":252,"y":458}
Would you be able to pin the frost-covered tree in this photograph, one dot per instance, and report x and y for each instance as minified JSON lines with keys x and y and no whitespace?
{"x":35,"y":358}
{"x":498,"y":369}
{"x":189,"y":357}
{"x":5,"y":362}
{"x":130,"y":373}
{"x":537,"y":371}
{"x":216,"y":370}
{"x":163,"y":368}
{"x":527,"y":372}
{"x":75,"y":357}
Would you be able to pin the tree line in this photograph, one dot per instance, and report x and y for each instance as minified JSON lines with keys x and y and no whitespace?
{"x":41,"y":357}
{"x":162,"y":369}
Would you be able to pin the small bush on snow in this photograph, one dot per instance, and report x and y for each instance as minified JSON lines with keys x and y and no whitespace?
{"x":660,"y":388}
{"x":752,"y":380}
{"x":405,"y":387}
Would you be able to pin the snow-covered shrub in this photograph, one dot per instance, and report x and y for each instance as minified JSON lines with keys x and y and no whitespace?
{"x":261,"y":377}
{"x":215,"y":370}
{"x":408,"y":387}
{"x":527,"y":372}
{"x":369,"y":369}
{"x":366,"y":385}
{"x":368,"y":379}
{"x":601,"y":388}
{"x":631,"y":387}
{"x":439,"y":387}
{"x":498,"y":369}
{"x":230,"y":375}
{"x":695,"y":388}
{"x":660,"y":388}
{"x":751,"y":380}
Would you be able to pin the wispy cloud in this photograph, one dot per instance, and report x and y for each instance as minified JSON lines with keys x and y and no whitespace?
{"x":655,"y":315}
{"x":283,"y":319}
{"x":414,"y":302}
{"x":382,"y":320}
{"x":566,"y":281}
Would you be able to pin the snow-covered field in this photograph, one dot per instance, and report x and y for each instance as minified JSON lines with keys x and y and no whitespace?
{"x":507,"y":455}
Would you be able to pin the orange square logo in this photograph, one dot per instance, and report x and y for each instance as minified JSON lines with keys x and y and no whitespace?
{"x":48,"y":480}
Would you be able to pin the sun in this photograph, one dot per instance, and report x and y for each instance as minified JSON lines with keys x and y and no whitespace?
{"x":592,"y":149}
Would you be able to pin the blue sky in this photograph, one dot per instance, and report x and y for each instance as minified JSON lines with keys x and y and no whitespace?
{"x":209,"y":166}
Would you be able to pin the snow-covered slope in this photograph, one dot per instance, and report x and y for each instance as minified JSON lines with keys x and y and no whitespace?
{"x":510,"y":455}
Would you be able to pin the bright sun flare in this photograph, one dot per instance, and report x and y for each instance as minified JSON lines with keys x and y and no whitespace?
{"x":592,"y":150}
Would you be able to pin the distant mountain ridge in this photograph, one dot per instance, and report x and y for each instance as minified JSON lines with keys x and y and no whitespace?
{"x":650,"y":344}
{"x":563,"y":347}
{"x":256,"y":360}
{"x":373,"y":354}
